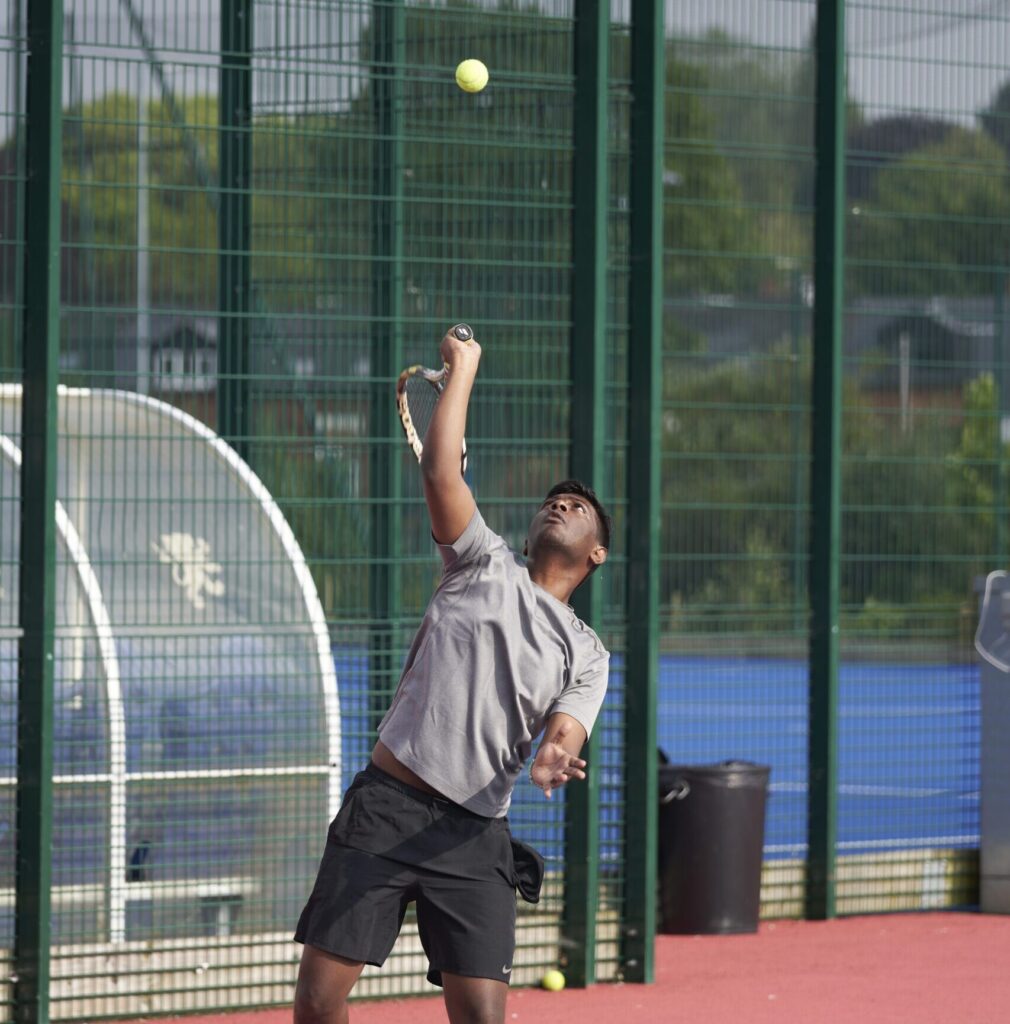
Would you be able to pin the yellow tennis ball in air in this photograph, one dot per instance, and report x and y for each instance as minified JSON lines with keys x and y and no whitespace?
{"x":553,"y":981}
{"x":471,"y":75}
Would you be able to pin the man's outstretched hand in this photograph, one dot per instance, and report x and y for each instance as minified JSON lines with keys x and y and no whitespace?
{"x":459,"y":354}
{"x":554,"y":766}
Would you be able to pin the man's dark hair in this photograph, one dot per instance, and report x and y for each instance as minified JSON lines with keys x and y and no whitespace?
{"x":579,"y":488}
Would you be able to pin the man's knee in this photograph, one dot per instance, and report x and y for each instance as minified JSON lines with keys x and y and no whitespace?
{"x":324,"y":984}
{"x":316,"y":1003}
{"x":474,"y":1000}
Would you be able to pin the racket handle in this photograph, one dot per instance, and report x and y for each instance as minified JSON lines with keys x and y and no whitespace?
{"x":463,"y":332}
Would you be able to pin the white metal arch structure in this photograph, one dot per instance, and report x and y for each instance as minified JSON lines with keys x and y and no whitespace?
{"x":109,"y":631}
{"x":313,"y":606}
{"x":116,"y":777}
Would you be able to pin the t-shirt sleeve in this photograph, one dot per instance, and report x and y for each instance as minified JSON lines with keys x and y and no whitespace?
{"x":583,"y":698}
{"x":475,"y":541}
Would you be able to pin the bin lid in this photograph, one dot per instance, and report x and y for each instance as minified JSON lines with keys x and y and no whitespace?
{"x":730,"y":774}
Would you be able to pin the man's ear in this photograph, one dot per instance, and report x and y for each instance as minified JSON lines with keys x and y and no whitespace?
{"x":598,"y":555}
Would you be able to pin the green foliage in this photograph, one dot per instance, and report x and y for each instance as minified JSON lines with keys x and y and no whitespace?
{"x":995,"y":119}
{"x":879,"y":619}
{"x":761,"y":117}
{"x":493,"y":235}
{"x":752,"y":586}
{"x":502,"y":221}
{"x":937,"y":222}
{"x":978,"y":443}
{"x":900,"y":529}
{"x":874,"y":145}
{"x":978,"y":467}
{"x":707,"y":230}
{"x":729,"y":483}
{"x":102,"y":183}
{"x":312,"y":482}
{"x":916,"y":526}
{"x":291,"y":229}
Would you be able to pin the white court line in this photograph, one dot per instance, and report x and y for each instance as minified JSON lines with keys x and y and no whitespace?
{"x":924,"y":842}
{"x":866,"y":790}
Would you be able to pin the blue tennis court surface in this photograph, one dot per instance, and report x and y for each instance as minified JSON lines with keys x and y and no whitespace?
{"x":908,"y":745}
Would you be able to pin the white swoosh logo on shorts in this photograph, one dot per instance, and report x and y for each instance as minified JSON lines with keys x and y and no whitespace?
{"x":506,"y":970}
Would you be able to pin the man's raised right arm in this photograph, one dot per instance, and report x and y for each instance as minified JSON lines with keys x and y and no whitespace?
{"x":449,"y":499}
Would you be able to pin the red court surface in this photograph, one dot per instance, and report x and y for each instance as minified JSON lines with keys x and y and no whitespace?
{"x":935,"y":968}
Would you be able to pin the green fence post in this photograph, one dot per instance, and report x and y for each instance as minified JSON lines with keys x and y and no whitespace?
{"x":234,"y":222}
{"x":826,"y":455}
{"x":389,"y":59}
{"x":588,"y":347}
{"x":645,"y":375}
{"x":796,"y":419}
{"x":17,"y":147}
{"x":999,"y":357}
{"x":40,"y":348}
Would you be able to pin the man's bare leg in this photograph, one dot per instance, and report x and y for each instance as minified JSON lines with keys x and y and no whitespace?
{"x":474,"y":1000}
{"x":324,"y":983}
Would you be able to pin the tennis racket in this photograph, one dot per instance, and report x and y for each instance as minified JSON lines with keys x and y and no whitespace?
{"x":417,"y":392}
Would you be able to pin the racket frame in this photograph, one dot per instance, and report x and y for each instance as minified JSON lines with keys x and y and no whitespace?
{"x":437,"y":379}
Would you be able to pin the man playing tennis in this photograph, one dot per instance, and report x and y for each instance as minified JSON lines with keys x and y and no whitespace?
{"x":499,"y":657}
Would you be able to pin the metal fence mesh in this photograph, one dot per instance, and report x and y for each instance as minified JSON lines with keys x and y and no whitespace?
{"x":739,"y":157}
{"x":925,"y":274}
{"x":258,"y":254}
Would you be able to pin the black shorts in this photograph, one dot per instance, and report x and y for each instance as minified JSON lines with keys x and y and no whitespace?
{"x":391,"y":844}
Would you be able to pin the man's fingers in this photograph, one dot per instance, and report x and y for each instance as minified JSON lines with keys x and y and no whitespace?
{"x":565,"y":768}
{"x":560,"y":778}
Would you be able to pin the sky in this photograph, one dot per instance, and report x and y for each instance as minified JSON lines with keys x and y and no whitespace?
{"x":945,"y":58}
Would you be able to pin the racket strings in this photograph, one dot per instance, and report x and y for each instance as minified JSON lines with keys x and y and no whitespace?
{"x":417,"y":397}
{"x":419,"y":401}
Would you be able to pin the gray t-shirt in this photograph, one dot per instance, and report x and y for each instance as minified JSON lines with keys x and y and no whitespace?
{"x":495,"y":656}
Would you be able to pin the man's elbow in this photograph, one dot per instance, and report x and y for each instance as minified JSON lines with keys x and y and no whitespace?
{"x":438,"y":471}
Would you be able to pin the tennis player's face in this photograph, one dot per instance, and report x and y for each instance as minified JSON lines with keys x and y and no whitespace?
{"x":565,"y":521}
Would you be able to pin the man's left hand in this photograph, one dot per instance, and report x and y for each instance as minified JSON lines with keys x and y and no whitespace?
{"x":553,"y":765}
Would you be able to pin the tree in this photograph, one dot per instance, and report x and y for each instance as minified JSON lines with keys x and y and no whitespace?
{"x":728,"y":434}
{"x":937,"y":222}
{"x":978,"y":467}
{"x":102,"y":186}
{"x":709,"y":234}
{"x":731,"y":440}
{"x":995,"y":119}
{"x":874,"y":145}
{"x":760,"y":120}
{"x":101,"y":171}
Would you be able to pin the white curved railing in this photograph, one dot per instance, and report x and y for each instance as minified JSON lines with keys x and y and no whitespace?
{"x":114,"y":696}
{"x":317,"y":618}
{"x":117,"y":776}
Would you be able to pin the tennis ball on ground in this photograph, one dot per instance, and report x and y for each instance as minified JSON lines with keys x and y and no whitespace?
{"x":471,"y":75}
{"x":553,"y":981}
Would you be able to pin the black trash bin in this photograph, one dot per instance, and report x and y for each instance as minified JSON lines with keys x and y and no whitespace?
{"x":711,"y":837}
